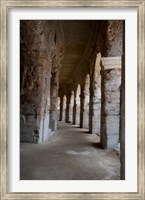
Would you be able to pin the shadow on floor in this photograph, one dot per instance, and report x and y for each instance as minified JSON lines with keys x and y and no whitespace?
{"x":96,"y":145}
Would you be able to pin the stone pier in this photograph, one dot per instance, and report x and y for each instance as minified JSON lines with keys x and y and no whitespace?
{"x":95,"y":97}
{"x":110,"y":107}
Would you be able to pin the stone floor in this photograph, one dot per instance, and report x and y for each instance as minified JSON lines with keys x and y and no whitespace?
{"x":71,"y":154}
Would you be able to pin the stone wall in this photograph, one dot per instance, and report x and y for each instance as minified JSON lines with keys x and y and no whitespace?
{"x":114,"y":38}
{"x":38,"y":47}
{"x":122,"y":114}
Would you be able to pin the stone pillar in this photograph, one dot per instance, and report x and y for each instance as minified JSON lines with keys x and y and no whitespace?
{"x":58,"y":109}
{"x":67,"y":108}
{"x":77,"y":114}
{"x":35,"y":81}
{"x":44,"y":117}
{"x":54,"y":101}
{"x":86,"y":111}
{"x":78,"y":106}
{"x":74,"y":109}
{"x":95,"y":97}
{"x":61,"y":108}
{"x":85,"y":97}
{"x":110,"y":104}
{"x":71,"y":107}
{"x":91,"y":105}
{"x":122,"y":123}
{"x":82,"y":107}
{"x":122,"y":114}
{"x":64,"y":108}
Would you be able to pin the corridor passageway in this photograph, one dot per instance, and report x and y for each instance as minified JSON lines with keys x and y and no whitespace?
{"x":72,"y":99}
{"x":71,"y":154}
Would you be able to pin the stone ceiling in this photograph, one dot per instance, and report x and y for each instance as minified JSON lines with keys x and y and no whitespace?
{"x":76,"y":37}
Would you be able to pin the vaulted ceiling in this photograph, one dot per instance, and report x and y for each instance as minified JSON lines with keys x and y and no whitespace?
{"x":77,"y":34}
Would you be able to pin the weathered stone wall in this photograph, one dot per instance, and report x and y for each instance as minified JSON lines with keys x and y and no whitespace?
{"x":122,"y":122}
{"x":110,"y":107}
{"x":54,"y":101}
{"x":37,"y":50}
{"x":122,"y":114}
{"x":114,"y":38}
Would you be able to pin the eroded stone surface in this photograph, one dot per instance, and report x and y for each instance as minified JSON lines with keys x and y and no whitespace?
{"x":110,"y":106}
{"x":55,"y":60}
{"x":39,"y":56}
{"x":64,"y":59}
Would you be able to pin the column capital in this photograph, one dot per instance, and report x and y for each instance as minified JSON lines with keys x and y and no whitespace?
{"x":111,"y":62}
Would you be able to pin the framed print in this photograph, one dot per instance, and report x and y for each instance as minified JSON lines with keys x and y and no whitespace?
{"x":72,"y":99}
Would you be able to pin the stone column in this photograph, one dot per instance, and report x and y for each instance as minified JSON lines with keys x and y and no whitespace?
{"x":78,"y":110}
{"x":35,"y":81}
{"x":95,"y":97}
{"x":54,"y":101}
{"x":85,"y":97}
{"x":82,"y":107}
{"x":64,"y":108}
{"x":71,"y":107}
{"x":91,"y":105}
{"x":122,"y":121}
{"x":74,"y":109}
{"x":110,"y":104}
{"x":58,"y":109}
{"x":122,"y":109}
{"x":61,"y":108}
{"x":86,"y":112}
{"x":67,"y":108}
{"x":44,"y":117}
